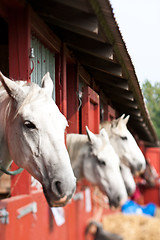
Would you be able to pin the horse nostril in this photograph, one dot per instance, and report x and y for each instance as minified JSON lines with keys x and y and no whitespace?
{"x":118,"y":199}
{"x":140,"y":166}
{"x":58,"y":187}
{"x":129,"y":191}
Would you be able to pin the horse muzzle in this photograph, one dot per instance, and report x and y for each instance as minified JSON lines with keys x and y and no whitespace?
{"x":59,"y":203}
{"x":58,"y":198}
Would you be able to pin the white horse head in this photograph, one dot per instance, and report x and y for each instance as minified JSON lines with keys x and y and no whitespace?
{"x":125,"y":144}
{"x":128,"y":179}
{"x":94,"y":158}
{"x":32,"y":134}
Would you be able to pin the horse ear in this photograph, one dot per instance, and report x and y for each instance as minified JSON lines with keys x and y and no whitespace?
{"x":91,"y":136}
{"x":47,"y":84}
{"x":11,"y":87}
{"x":121,"y":119}
{"x":126,"y":119}
{"x":104,"y":134}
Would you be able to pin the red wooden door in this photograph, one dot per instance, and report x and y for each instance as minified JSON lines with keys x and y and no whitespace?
{"x":153,"y":194}
{"x":153,"y":156}
{"x":90,"y":110}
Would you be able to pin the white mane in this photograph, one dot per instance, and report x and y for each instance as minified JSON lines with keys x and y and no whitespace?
{"x":75,"y":145}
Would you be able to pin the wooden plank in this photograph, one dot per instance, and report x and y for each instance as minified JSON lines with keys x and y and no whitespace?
{"x":101,"y":64}
{"x":108,"y":78}
{"x":64,"y":80}
{"x":78,"y":4}
{"x":72,"y":99}
{"x":87,"y":44}
{"x":122,"y":100}
{"x":43,"y":32}
{"x":121,"y":108}
{"x":58,"y":84}
{"x":19,"y":68}
{"x":68,"y":16}
{"x":51,"y":20}
{"x":19,"y":43}
{"x":109,"y":90}
{"x":3,"y":10}
{"x":90,"y":110}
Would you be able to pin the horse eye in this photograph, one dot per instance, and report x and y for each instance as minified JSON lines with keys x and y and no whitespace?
{"x":29,"y":124}
{"x":102,"y":163}
{"x":124,"y":138}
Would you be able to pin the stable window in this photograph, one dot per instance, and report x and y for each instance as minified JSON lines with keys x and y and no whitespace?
{"x":42,"y":61}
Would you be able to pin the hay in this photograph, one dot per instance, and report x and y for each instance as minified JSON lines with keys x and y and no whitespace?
{"x":133,"y":227}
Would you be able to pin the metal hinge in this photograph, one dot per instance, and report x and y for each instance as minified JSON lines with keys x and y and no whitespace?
{"x":78,"y":196}
{"x":4,"y":216}
{"x":29,"y":208}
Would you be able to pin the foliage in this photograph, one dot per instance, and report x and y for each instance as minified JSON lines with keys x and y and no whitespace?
{"x":152,"y":99}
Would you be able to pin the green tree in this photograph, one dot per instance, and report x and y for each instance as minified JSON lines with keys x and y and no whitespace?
{"x":151,"y":95}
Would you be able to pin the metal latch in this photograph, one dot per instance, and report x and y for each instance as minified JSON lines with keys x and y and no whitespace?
{"x":78,"y":196}
{"x":30,"y":208}
{"x":4,"y":216}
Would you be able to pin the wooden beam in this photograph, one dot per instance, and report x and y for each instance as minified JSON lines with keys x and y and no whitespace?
{"x":126,"y":109}
{"x":69,"y":17}
{"x":43,"y":32}
{"x":3,"y":10}
{"x":108,"y":89}
{"x":72,"y":93}
{"x":98,"y":63}
{"x":81,"y":5}
{"x":19,"y":43}
{"x":19,"y":69}
{"x":109,"y":79}
{"x":15,"y":3}
{"x":125,"y":102}
{"x":78,"y":4}
{"x":84,"y":43}
{"x":137,"y":119}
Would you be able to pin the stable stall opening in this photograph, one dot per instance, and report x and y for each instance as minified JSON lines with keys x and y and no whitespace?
{"x":72,"y":98}
{"x":4,"y":59}
{"x":5,"y":180}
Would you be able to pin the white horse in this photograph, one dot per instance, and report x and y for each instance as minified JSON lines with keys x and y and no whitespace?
{"x":93,"y":157}
{"x":128,"y":179}
{"x":125,"y":144}
{"x":32,"y":134}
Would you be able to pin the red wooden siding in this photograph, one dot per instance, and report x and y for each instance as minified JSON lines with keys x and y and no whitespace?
{"x":90,"y":110}
{"x":19,"y":69}
{"x":153,"y":156}
{"x":19,"y":43}
{"x":58,"y":83}
{"x":152,"y":194}
{"x":72,"y":99}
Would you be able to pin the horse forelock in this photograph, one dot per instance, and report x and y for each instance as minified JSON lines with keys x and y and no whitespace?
{"x":30,"y":95}
{"x":30,"y":91}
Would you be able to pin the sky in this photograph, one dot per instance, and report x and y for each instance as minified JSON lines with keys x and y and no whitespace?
{"x":139,"y":23}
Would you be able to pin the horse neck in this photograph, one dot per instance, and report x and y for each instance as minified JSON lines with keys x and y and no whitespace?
{"x":77,"y":147}
{"x":4,"y":114}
